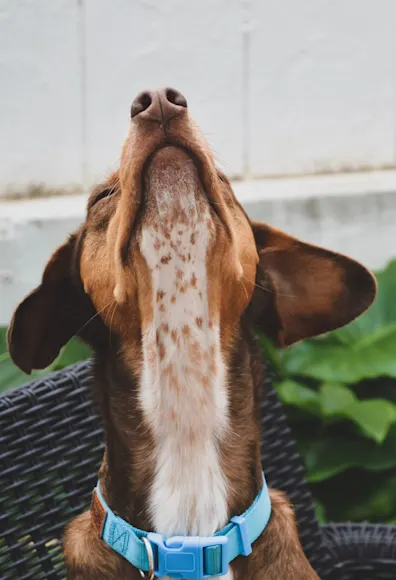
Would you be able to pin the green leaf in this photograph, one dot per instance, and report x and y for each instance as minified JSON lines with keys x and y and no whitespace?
{"x":293,"y":393}
{"x":320,"y":511}
{"x":371,"y":497}
{"x":74,"y":351}
{"x":374,"y":417}
{"x":372,"y":356}
{"x":3,"y":339}
{"x":332,"y":454}
{"x":11,"y":376}
{"x":272,"y":354}
{"x":334,"y":398}
{"x":357,"y":495}
{"x":379,"y":503}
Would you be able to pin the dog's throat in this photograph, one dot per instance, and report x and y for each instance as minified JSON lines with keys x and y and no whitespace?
{"x":182,"y":390}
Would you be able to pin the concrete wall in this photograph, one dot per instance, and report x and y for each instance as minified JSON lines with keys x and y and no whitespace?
{"x":280,"y":87}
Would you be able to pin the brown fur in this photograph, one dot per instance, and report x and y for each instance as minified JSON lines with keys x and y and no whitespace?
{"x":98,"y":286}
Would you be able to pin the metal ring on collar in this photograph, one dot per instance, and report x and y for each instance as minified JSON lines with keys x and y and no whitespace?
{"x":150,"y":556}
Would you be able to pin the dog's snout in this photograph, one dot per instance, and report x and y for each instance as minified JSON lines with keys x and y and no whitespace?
{"x":161,"y":105}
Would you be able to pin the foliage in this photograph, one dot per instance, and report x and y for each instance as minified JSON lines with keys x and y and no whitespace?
{"x":340,"y":395}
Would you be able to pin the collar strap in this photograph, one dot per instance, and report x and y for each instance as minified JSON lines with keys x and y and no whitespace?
{"x":187,"y":557}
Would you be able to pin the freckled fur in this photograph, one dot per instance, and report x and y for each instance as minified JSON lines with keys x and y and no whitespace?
{"x":187,"y":496}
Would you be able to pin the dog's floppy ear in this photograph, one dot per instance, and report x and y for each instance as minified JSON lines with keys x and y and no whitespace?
{"x":307,"y":290}
{"x":50,"y":315}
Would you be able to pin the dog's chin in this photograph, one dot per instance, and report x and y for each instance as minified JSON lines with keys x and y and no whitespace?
{"x":167,"y":154}
{"x":172,"y":173}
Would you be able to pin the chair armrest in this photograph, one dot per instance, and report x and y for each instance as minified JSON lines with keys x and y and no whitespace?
{"x":361,"y":551}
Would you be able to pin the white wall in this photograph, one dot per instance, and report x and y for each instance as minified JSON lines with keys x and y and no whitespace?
{"x":322,"y":85}
{"x":41,"y":104}
{"x":279,"y":86}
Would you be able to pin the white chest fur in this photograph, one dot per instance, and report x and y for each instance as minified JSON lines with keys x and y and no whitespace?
{"x":183,"y":392}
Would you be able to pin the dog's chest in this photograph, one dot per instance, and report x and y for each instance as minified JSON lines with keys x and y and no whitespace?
{"x":183,"y":392}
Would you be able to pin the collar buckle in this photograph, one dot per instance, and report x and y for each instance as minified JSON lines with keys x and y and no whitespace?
{"x":240,"y":521}
{"x":190,"y":557}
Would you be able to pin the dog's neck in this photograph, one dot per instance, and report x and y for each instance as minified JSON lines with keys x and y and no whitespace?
{"x":131,"y":473}
{"x":190,"y":446}
{"x":183,"y":392}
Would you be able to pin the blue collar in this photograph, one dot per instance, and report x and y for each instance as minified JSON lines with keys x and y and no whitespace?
{"x":193,"y":557}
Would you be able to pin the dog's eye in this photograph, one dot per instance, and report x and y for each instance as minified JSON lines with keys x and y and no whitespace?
{"x":101,"y":195}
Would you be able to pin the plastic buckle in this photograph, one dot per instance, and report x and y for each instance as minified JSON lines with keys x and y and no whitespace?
{"x":240,"y":521}
{"x":183,"y":557}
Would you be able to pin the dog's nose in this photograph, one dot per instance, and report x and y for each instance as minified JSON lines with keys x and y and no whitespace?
{"x":161,"y":105}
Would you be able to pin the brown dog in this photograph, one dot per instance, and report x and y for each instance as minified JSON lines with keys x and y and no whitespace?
{"x":166,"y":280}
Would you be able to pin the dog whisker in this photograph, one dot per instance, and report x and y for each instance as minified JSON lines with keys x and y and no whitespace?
{"x":98,"y":313}
{"x":274,"y":293}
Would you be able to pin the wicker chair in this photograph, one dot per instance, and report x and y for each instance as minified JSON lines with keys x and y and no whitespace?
{"x":51,"y":442}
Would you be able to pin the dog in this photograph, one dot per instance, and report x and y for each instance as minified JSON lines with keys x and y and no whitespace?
{"x":166,"y":280}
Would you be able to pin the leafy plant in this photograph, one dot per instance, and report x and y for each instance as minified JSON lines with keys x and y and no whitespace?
{"x":340,"y":395}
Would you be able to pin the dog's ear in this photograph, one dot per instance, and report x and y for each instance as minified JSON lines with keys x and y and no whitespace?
{"x":303,"y":290}
{"x":50,"y":315}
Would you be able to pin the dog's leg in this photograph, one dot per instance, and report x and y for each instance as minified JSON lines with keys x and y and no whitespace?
{"x":277,"y":554}
{"x":88,"y":558}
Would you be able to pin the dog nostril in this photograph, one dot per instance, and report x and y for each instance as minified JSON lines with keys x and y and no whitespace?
{"x":141,"y":103}
{"x":161,"y":105}
{"x":176,"y":98}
